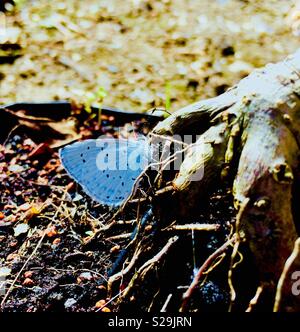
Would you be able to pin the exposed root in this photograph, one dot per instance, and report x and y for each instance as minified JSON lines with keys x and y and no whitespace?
{"x":209,"y":261}
{"x":165,"y":306}
{"x":124,"y":271}
{"x":249,"y":136}
{"x":147,"y":266}
{"x":233,"y":264}
{"x":119,"y":237}
{"x":287,"y":268}
{"x":255,"y":299}
{"x":194,"y":227}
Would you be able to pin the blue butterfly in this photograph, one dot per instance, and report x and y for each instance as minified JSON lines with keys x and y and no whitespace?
{"x":107,"y":168}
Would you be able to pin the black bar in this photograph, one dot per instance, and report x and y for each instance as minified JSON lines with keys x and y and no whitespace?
{"x":65,"y":108}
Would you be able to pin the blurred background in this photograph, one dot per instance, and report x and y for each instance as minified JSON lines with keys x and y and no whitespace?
{"x":139,"y":54}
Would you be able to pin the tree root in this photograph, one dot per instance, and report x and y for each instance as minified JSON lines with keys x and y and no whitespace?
{"x":194,"y":227}
{"x":249,"y":139}
{"x":250,"y":134}
{"x":147,"y":266}
{"x":187,"y":295}
{"x":292,"y":264}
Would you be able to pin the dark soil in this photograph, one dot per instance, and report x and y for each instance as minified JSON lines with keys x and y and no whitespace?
{"x":69,"y":269}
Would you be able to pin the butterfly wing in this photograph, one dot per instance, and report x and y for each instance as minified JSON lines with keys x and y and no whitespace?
{"x":105,"y":168}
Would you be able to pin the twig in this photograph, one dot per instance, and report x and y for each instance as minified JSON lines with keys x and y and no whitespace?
{"x":164,"y":307}
{"x":168,"y":138}
{"x":133,"y":236}
{"x":166,"y":148}
{"x":126,"y":222}
{"x":119,"y":237}
{"x":187,"y":295}
{"x":125,"y":271}
{"x":235,"y":251}
{"x":147,"y":265}
{"x":164,"y":190}
{"x":157,"y":193}
{"x":22,"y":268}
{"x":194,"y":227}
{"x":10,"y":133}
{"x":254,"y":301}
{"x":214,"y":265}
{"x":31,"y":256}
{"x":113,"y":298}
{"x":138,"y":200}
{"x":153,"y":299}
{"x":287,"y":266}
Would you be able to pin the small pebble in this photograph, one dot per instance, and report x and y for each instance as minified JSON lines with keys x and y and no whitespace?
{"x":28,"y":282}
{"x":100,"y":304}
{"x":69,"y":303}
{"x":115,"y":249}
{"x":51,"y":232}
{"x":28,"y":274}
{"x":56,"y":241}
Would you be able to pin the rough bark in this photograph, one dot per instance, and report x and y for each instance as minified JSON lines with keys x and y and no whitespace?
{"x":253,"y":132}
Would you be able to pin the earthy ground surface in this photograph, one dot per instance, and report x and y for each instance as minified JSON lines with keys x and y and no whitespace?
{"x":143,"y":54}
{"x":38,"y":198}
{"x":49,"y":258}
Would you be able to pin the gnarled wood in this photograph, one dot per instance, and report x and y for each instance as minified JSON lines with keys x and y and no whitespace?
{"x":253,"y":132}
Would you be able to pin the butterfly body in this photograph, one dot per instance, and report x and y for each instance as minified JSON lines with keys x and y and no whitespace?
{"x":106,"y":168}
